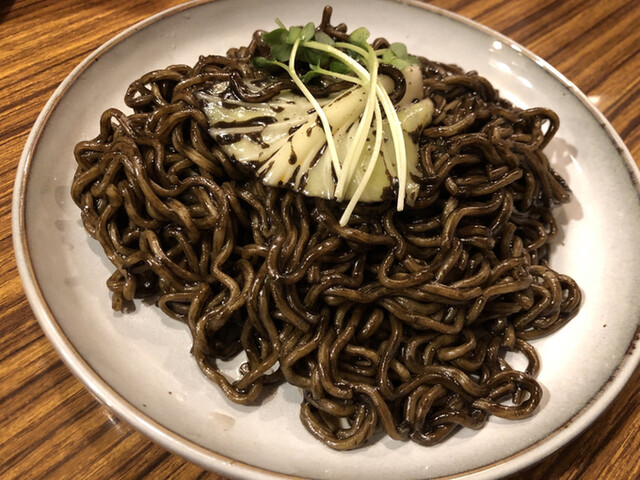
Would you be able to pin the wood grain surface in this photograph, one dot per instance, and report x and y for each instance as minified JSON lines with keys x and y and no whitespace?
{"x":52,"y":427}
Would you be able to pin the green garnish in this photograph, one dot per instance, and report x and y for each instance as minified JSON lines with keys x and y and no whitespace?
{"x":354,"y":61}
{"x":397,"y":56}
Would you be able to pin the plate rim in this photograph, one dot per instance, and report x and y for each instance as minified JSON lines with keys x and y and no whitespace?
{"x":210,"y":459}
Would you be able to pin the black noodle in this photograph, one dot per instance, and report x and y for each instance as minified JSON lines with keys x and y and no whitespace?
{"x":400,"y":319}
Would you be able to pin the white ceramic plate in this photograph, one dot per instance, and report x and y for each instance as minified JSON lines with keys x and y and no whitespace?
{"x":139,"y":364}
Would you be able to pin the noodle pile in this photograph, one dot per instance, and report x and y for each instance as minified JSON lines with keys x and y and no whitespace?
{"x":400,"y":319}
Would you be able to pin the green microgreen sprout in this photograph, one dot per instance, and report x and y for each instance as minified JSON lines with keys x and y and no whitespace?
{"x":354,"y":61}
{"x":396,"y":54}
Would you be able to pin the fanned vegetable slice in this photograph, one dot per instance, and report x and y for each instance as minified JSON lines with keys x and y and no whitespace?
{"x":286,"y":144}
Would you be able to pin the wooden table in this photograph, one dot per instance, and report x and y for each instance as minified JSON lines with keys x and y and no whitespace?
{"x":51,"y":426}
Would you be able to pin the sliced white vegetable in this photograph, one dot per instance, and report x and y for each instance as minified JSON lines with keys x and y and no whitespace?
{"x":414,"y":85}
{"x":286,"y":142}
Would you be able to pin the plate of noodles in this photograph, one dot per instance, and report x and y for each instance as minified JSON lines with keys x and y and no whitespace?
{"x":339,"y":249}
